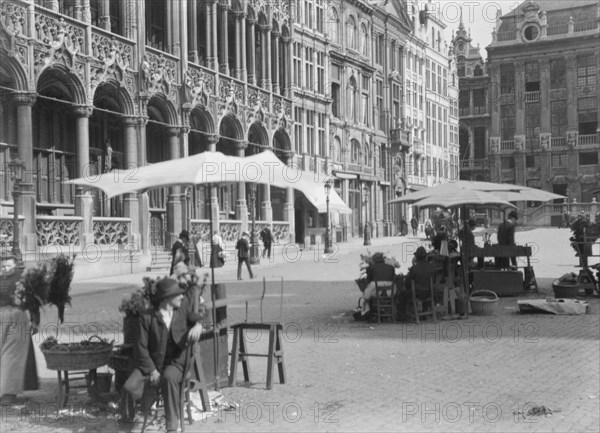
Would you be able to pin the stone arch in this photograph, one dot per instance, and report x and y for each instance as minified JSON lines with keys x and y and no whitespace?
{"x":250,"y":14}
{"x":236,"y":6}
{"x":282,"y":144}
{"x":163,"y":108}
{"x":119,"y":93}
{"x":230,"y":132}
{"x":201,"y":125}
{"x":14,"y":73}
{"x":258,"y":138}
{"x":59,"y":77}
{"x":262,"y":19}
{"x":274,"y":26}
{"x":157,"y":134}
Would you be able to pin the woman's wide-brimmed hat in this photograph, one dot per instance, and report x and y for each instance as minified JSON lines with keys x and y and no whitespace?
{"x":166,"y":288}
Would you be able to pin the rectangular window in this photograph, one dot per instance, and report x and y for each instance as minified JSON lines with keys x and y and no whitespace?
{"x":321,"y":134}
{"x":379,"y":114}
{"x":379,"y":48}
{"x":319,"y":15}
{"x":309,"y":69}
{"x":298,"y":123}
{"x":587,"y":112}
{"x":531,"y":161}
{"x":507,"y":122}
{"x":532,"y":120}
{"x":507,"y":162}
{"x":507,"y":78}
{"x":479,"y":102}
{"x":558,"y":118}
{"x":588,"y":158}
{"x":559,"y":160}
{"x":586,"y":70}
{"x":558,"y":73}
{"x":335,"y":99}
{"x":310,"y":132}
{"x":320,"y":88}
{"x":532,"y":76}
{"x":297,"y":64}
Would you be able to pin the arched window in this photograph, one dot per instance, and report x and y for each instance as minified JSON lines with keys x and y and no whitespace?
{"x":355,"y":149}
{"x":351,"y":102}
{"x":351,"y":32}
{"x":439,"y":42}
{"x":364,"y":38}
{"x":333,"y":25}
{"x":367,"y":156}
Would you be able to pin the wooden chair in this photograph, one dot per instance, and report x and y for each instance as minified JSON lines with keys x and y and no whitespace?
{"x":430,"y":299}
{"x":383,"y":304}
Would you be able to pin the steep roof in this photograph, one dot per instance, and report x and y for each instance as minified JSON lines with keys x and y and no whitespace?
{"x":551,"y":5}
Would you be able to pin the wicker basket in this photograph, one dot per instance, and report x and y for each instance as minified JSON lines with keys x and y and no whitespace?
{"x":565,"y":290}
{"x":483,"y":302}
{"x":77,"y":360}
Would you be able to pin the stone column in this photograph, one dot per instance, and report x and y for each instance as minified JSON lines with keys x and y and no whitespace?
{"x":250,"y":49}
{"x":211,"y":35}
{"x":53,"y":6}
{"x":104,"y":13}
{"x":244,"y":48}
{"x":174,"y":211}
{"x":131,"y":203}
{"x":289,"y":214}
{"x":144,"y":200}
{"x":241,"y":207}
{"x":214,"y":202}
{"x":265,"y":43}
{"x":239,"y":17}
{"x":275,"y":55}
{"x":83,"y":198}
{"x":24,"y":103}
{"x":520,"y":97}
{"x":224,"y":35}
{"x":193,"y":31}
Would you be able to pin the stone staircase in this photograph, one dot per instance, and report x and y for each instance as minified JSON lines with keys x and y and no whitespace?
{"x":161,"y":261}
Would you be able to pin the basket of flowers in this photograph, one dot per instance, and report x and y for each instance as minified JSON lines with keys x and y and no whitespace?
{"x":567,"y":286}
{"x":86,"y":355}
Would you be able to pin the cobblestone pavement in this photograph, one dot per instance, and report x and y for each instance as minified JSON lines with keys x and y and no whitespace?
{"x":477,"y":374}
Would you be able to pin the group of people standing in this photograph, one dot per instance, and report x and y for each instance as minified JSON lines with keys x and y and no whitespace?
{"x":180,"y":250}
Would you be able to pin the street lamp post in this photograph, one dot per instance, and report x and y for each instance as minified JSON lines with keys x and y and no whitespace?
{"x":254,"y":253}
{"x":328,"y":249}
{"x":16,"y":168}
{"x":367,"y":234}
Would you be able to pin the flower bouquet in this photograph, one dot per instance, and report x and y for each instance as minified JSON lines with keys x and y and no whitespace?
{"x":369,"y":259}
{"x":32,"y":291}
{"x":60,"y":285}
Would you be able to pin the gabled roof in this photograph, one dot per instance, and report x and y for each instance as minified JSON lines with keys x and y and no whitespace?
{"x":551,"y":5}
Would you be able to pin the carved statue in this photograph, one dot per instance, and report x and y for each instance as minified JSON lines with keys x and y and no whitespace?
{"x":571,"y":139}
{"x":545,"y":139}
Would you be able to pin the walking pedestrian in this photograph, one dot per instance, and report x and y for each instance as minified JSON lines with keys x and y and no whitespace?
{"x":414,"y":223}
{"x":181,"y":243}
{"x":243,"y":247}
{"x":217,"y":256}
{"x":267,"y":239}
{"x":506,"y":236}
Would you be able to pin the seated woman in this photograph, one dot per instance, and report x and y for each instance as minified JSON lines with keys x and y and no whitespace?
{"x":381,"y":272}
{"x":420,"y":272}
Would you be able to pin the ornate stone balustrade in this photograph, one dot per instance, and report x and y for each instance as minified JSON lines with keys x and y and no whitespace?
{"x":6,"y":231}
{"x":200,"y":228}
{"x":13,"y":17}
{"x":60,"y":231}
{"x":56,"y":30}
{"x":230,"y":230}
{"x":111,"y":231}
{"x":281,"y":232}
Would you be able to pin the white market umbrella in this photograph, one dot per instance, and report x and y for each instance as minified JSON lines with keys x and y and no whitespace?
{"x":209,"y":168}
